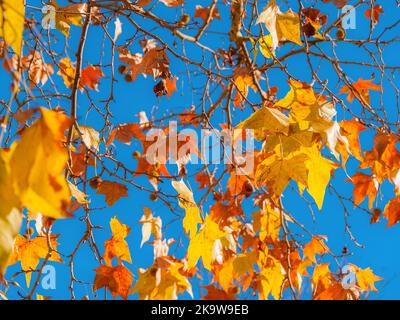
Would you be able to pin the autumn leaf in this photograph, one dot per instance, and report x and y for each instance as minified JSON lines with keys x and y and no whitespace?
{"x":38,"y":71}
{"x":116,"y":279}
{"x":276,"y":172}
{"x":361,"y":90}
{"x":392,"y":211}
{"x":90,"y":77}
{"x":266,"y":121}
{"x":203,"y":244}
{"x":270,"y":278}
{"x":112,"y":190}
{"x":37,"y":164}
{"x":150,"y":226}
{"x":352,"y":129}
{"x":153,"y":62}
{"x":125,"y":133}
{"x":242,"y":80}
{"x":364,"y":185}
{"x":67,"y":72}
{"x":164,"y":280}
{"x":314,"y":247}
{"x":66,"y":16}
{"x":30,"y":251}
{"x":365,"y":278}
{"x":12,"y":19}
{"x":117,"y":245}
{"x":204,"y":13}
{"x":282,"y":26}
{"x":373,"y":14}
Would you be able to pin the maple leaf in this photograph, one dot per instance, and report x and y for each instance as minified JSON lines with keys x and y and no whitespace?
{"x":266,"y":121}
{"x":186,"y":201}
{"x":314,"y":247}
{"x":319,"y":174}
{"x":365,"y":278}
{"x":364,"y":185}
{"x":384,"y":158}
{"x":12,"y":19}
{"x":117,"y":245}
{"x":112,"y":190}
{"x":67,"y":72}
{"x":30,"y":251}
{"x":360,"y":89}
{"x":213,"y":293}
{"x":268,"y":222}
{"x":281,"y":26}
{"x":164,"y":280}
{"x":66,"y":16}
{"x":203,"y":244}
{"x":276,"y":172}
{"x":204,"y":13}
{"x":91,"y":77}
{"x":374,"y":13}
{"x":154,"y":62}
{"x":37,"y":164}
{"x":125,"y":133}
{"x":392,"y":211}
{"x":242,"y":80}
{"x":116,"y":279}
{"x":270,"y":278}
{"x":351,"y":130}
{"x":38,"y":71}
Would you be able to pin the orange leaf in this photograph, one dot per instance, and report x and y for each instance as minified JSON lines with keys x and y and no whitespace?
{"x":314,"y":247}
{"x":116,"y":279}
{"x":392,"y":211}
{"x":364,"y":185}
{"x":117,"y":245}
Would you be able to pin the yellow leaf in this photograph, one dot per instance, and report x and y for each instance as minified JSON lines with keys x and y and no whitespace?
{"x":12,"y":18}
{"x":30,"y":251}
{"x":288,"y":27}
{"x":271,"y":278}
{"x":319,"y":174}
{"x":266,"y":121}
{"x":37,"y":165}
{"x":202,"y":244}
{"x":67,"y":72}
{"x":9,"y":228}
{"x":186,"y":201}
{"x":266,"y":46}
{"x":191,"y":220}
{"x":65,"y":16}
{"x":117,"y":245}
{"x":366,"y":279}
{"x":162,"y":281}
{"x":244,"y":262}
{"x":276,"y":172}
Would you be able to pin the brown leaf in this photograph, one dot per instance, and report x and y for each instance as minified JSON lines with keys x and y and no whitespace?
{"x":113,"y":191}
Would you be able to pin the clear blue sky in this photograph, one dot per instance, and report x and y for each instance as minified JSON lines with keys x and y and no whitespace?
{"x":381,"y":244}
